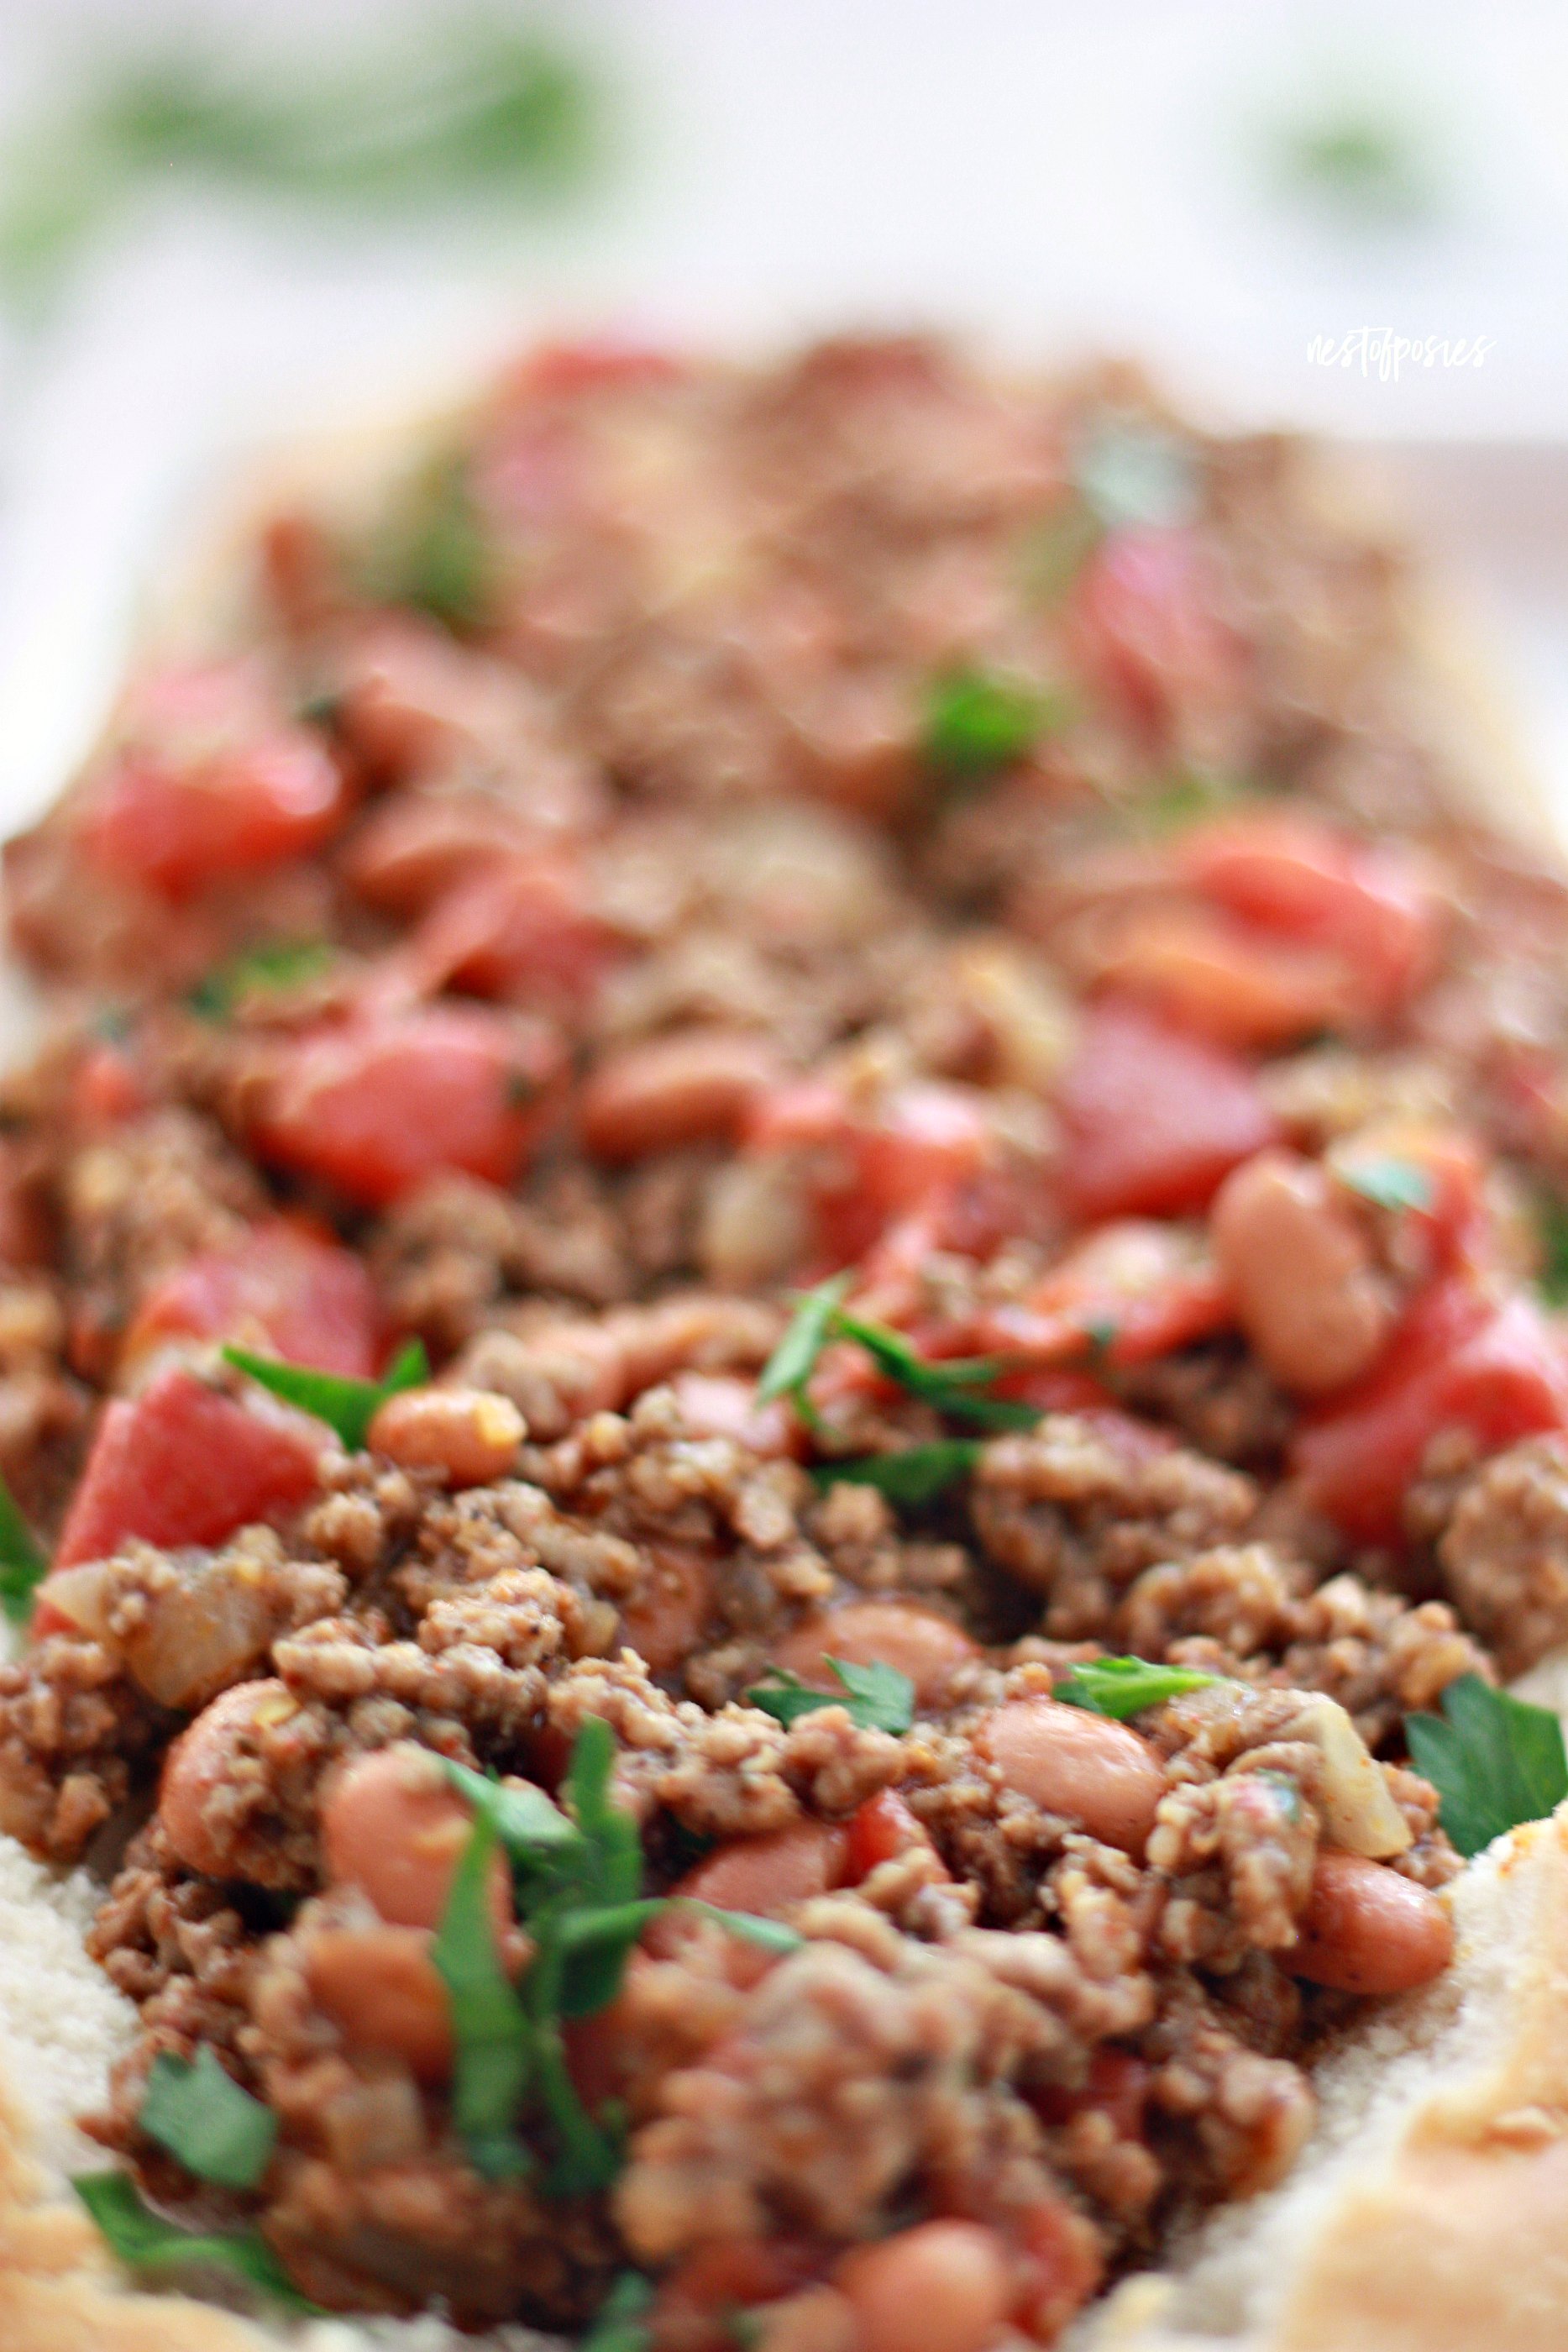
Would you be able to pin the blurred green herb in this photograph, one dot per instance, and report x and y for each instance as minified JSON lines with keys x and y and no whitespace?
{"x":478,"y":105}
{"x":435,"y":552}
{"x":197,"y":2111}
{"x":276,"y":967}
{"x":1123,"y":1686}
{"x":143,"y":2241}
{"x":977,"y":722}
{"x":917,"y":1475}
{"x":1129,"y":473}
{"x":1367,"y":164}
{"x":1551,"y":1224}
{"x":875,"y":1696}
{"x":1494,"y":1760}
{"x":621,"y":2321}
{"x":24,"y":1563}
{"x":1391,"y":1184}
{"x":344,"y":1404}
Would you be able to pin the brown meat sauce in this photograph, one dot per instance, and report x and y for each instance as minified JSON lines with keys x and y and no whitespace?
{"x":745,"y":967}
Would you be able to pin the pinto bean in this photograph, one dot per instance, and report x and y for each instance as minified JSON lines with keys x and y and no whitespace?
{"x":382,"y":1991}
{"x":201,"y":1760}
{"x":767,"y":1875}
{"x":1301,"y":1273}
{"x":472,"y":1434}
{"x":393,"y":1826}
{"x":941,"y":2286}
{"x":1367,"y":1930}
{"x":1080,"y":1765}
{"x":723,"y":1404}
{"x":928,"y":1647}
{"x":689,"y":1088}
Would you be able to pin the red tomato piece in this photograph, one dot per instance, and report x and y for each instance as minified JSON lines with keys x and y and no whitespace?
{"x":924,"y":1143}
{"x":592,"y":365}
{"x":381,"y":1103}
{"x":1152,"y":1119}
{"x":304,"y":1297}
{"x":1134,"y":1288}
{"x":186,"y":1463}
{"x":1321,"y":887}
{"x":521,"y":932}
{"x":1464,"y":1358}
{"x":1146,"y":622}
{"x":881,"y":1830}
{"x":210,"y":780}
{"x":697,"y":2305}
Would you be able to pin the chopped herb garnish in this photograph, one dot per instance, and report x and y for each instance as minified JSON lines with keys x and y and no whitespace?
{"x":199,"y":2114}
{"x":346,"y":1405}
{"x":620,"y":2324}
{"x":976,"y":722}
{"x":1135,"y":474}
{"x":1392,"y":1183}
{"x":948,"y":1384}
{"x":577,"y":1876}
{"x":1494,"y":1760}
{"x":143,"y":2241}
{"x":767,"y":1935}
{"x":1187,"y":798}
{"x":493,"y":2058}
{"x":438,"y":555}
{"x":278,"y":966}
{"x":1123,"y":1686}
{"x":24,"y":1563}
{"x":914,"y":1477}
{"x":875,"y":1696}
{"x":794,"y":1359}
{"x":1366,"y":166}
{"x":1552,"y":1221}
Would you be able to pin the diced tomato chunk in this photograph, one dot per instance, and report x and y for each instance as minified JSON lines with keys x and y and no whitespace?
{"x":1464,"y":1358}
{"x":918,"y":1149}
{"x":697,"y":2304}
{"x":185,"y":1462}
{"x":1133,"y":1289}
{"x":1305,"y":881}
{"x":210,"y":780}
{"x":521,"y":932}
{"x":1146,"y":622}
{"x":593,"y":366}
{"x":1152,"y":1118}
{"x":304,"y":1297}
{"x":881,"y":1830}
{"x":378,"y":1104}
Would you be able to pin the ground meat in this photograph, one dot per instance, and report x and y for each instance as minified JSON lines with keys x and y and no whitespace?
{"x":1504,"y":1553}
{"x":1076,"y":1517}
{"x":75,"y":1735}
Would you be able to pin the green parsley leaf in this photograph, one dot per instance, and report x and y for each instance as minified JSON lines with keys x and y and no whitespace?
{"x":620,"y":2323}
{"x":794,"y":1359}
{"x":437,"y":554}
{"x":876,"y":1696}
{"x":280,"y":965}
{"x":1368,"y":166}
{"x":24,"y":1563}
{"x":143,"y":2241}
{"x":1392,"y":1183}
{"x":1552,"y":1221}
{"x":533,"y":1831}
{"x":947,"y":1384}
{"x":1123,"y":1686}
{"x":1134,"y":474}
{"x":201,"y":2114}
{"x":1494,"y":1760}
{"x":914,"y":1477}
{"x":346,"y":1405}
{"x":977,"y":722}
{"x":767,"y":1935}
{"x":489,"y":2025}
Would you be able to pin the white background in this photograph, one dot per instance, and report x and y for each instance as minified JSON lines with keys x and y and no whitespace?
{"x":1045,"y":177}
